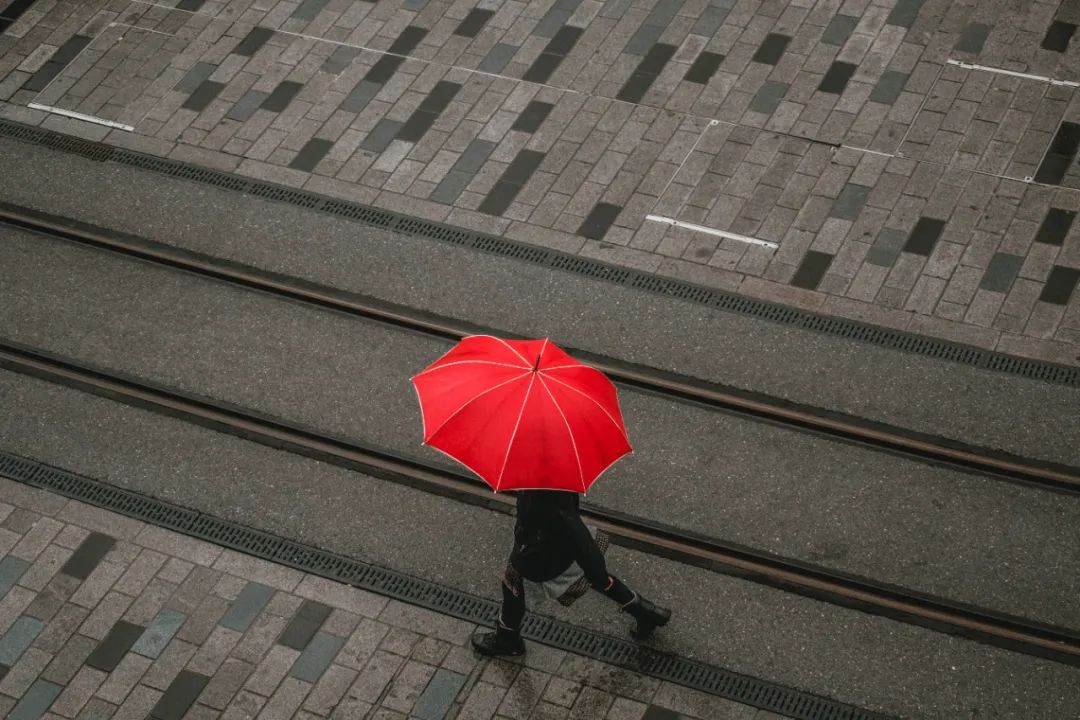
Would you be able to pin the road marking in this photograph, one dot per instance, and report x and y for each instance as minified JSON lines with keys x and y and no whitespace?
{"x":1013,"y":73}
{"x":81,"y":116}
{"x":711,"y":231}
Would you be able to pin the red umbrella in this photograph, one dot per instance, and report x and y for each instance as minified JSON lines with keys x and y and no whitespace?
{"x":521,"y":414}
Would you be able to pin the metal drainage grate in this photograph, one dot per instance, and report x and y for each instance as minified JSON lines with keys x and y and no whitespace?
{"x":677,"y":289}
{"x":699,"y":676}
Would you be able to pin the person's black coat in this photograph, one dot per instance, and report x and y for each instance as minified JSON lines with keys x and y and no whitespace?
{"x":549,"y":535}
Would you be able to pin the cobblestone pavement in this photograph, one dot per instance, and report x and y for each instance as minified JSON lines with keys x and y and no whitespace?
{"x":879,"y":149}
{"x":103,"y":616}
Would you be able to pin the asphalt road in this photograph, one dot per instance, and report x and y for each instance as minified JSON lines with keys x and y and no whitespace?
{"x":870,"y":661}
{"x":966,"y":537}
{"x":833,"y":504}
{"x":1026,"y":417}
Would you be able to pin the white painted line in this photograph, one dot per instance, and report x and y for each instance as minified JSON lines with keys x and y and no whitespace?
{"x":868,"y":150}
{"x":1013,"y":73}
{"x":80,"y":116}
{"x":711,"y":231}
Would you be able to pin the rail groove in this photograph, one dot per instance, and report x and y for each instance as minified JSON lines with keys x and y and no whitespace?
{"x":939,"y":349}
{"x":983,"y":625}
{"x":757,"y":692}
{"x":880,"y":436}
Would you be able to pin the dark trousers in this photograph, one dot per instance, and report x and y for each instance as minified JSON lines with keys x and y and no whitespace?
{"x":513,"y":606}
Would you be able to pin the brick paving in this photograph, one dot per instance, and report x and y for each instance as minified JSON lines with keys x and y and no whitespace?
{"x":102,"y":616}
{"x":903,"y":177}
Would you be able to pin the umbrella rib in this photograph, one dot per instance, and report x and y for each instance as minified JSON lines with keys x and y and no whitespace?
{"x":508,"y":346}
{"x":602,"y":408}
{"x":468,"y":362}
{"x":573,"y":442}
{"x":479,"y":395}
{"x":513,"y":435}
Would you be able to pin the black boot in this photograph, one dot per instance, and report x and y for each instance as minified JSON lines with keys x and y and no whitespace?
{"x":648,"y":616}
{"x":503,"y":641}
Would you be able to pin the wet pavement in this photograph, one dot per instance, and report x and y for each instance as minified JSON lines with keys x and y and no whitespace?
{"x":910,"y":163}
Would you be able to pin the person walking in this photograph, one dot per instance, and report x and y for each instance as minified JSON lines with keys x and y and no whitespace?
{"x":555,"y":554}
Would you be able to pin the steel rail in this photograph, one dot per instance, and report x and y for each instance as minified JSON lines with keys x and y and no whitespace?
{"x":987,"y":626}
{"x":1044,"y":474}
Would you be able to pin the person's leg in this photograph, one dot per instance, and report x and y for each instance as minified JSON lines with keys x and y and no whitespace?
{"x":506,"y":640}
{"x":648,"y":616}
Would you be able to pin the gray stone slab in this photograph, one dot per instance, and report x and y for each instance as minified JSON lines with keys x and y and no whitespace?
{"x":247,"y":606}
{"x":246,"y":106}
{"x":340,"y":59}
{"x":614,"y":8}
{"x":973,"y":38}
{"x":474,"y":157}
{"x":839,"y":30}
{"x":36,"y":701}
{"x":497,"y":58}
{"x":849,"y":203}
{"x":451,"y":187}
{"x":644,"y":38}
{"x":19,"y":637}
{"x":11,"y":569}
{"x":886,"y":248}
{"x":316,"y":657}
{"x":905,"y":13}
{"x":158,"y":633}
{"x":381,"y":135}
{"x":768,"y":97}
{"x":710,"y":20}
{"x":889,"y":87}
{"x":438,"y":697}
{"x":550,"y":23}
{"x":309,"y":9}
{"x":199,"y":73}
{"x":359,"y":97}
{"x":1001,"y":272}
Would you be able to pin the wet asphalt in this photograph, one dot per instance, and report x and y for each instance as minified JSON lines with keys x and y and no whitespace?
{"x":1026,"y":417}
{"x":870,"y":661}
{"x":968,"y":537}
{"x":837,"y":505}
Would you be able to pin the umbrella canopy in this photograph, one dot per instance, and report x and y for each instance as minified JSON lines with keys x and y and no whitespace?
{"x":521,"y":414}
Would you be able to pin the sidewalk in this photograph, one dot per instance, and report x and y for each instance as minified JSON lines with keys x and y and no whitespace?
{"x":103,"y":616}
{"x":882,"y":161}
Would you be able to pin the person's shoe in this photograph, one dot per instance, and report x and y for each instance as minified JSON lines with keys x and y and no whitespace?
{"x":648,"y":616}
{"x":503,"y":641}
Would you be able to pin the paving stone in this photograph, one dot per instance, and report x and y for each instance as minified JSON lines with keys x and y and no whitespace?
{"x":22,"y":674}
{"x":407,"y":686}
{"x":342,"y":596}
{"x":179,"y":696}
{"x":178,"y":546}
{"x":285,"y":700}
{"x":973,"y":38}
{"x":78,"y":692}
{"x":481,"y":702}
{"x":18,"y":638}
{"x":165,"y":668}
{"x":1060,"y":285}
{"x":213,"y":651}
{"x":111,"y":650}
{"x":97,"y":709}
{"x":36,"y":539}
{"x":247,"y":606}
{"x":316,"y":657}
{"x":1001,"y":272}
{"x":37,"y":699}
{"x":68,"y":660}
{"x":329,"y":690}
{"x":271,"y":670}
{"x":11,"y":569}
{"x":159,"y":633}
{"x":123,"y":678}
